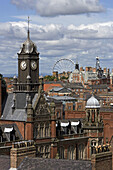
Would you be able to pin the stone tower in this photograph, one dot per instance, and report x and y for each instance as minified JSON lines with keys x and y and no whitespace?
{"x":27,"y":84}
{"x":92,"y":124}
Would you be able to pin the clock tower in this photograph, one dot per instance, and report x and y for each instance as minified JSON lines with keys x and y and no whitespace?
{"x":28,"y":64}
{"x":28,"y":71}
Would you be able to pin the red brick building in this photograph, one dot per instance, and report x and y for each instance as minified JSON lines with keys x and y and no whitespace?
{"x":27,"y":114}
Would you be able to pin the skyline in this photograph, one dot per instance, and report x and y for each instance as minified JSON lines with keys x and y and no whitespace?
{"x":80,"y":30}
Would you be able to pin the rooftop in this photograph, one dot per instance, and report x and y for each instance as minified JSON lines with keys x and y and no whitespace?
{"x":54,"y":164}
{"x":4,"y":162}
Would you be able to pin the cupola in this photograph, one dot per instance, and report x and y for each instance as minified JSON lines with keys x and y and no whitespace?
{"x":92,"y":102}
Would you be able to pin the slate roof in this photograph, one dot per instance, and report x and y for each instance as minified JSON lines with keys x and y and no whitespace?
{"x":52,"y":82}
{"x":61,"y":90}
{"x":74,"y":85}
{"x":74,"y":139}
{"x":100,"y":86}
{"x":62,"y":98}
{"x":4,"y":162}
{"x":88,"y":95}
{"x":106,"y":109}
{"x":54,"y":164}
{"x":19,"y":114}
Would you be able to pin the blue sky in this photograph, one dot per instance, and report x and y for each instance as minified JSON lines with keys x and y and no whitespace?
{"x":74,"y":29}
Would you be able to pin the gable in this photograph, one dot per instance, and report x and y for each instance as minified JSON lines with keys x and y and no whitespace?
{"x":42,"y":108}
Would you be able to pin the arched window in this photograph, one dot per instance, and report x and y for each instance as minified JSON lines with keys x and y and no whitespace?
{"x":61,"y":152}
{"x":41,"y":130}
{"x":93,"y":116}
{"x":41,"y":151}
{"x":35,"y":131}
{"x":47,"y":152}
{"x":93,"y":144}
{"x":88,"y":115}
{"x":71,"y":152}
{"x":81,"y":151}
{"x":47,"y":134}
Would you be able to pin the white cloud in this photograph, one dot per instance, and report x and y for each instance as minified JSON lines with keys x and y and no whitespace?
{"x":51,"y":8}
{"x":55,"y":41}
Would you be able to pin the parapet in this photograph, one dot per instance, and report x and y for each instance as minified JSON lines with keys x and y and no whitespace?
{"x":22,"y":144}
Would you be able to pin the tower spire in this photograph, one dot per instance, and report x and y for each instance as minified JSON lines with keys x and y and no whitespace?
{"x":28,"y":27}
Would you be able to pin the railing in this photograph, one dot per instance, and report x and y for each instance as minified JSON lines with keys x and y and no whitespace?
{"x":26,"y":87}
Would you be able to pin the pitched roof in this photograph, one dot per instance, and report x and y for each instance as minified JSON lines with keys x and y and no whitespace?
{"x":4,"y":162}
{"x":62,"y":98}
{"x":54,"y":164}
{"x":61,"y":90}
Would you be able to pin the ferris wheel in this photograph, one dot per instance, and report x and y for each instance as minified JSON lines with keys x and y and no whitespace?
{"x":64,"y":65}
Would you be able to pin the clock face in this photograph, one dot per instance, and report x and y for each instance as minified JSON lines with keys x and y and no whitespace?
{"x":33,"y":65}
{"x":23,"y":65}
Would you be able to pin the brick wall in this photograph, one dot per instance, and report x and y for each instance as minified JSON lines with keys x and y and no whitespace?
{"x":5,"y":150}
{"x":20,"y":150}
{"x":21,"y":125}
{"x":102,"y":161}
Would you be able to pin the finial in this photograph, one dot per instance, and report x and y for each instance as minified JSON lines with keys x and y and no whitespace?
{"x":28,"y":25}
{"x":92,"y":92}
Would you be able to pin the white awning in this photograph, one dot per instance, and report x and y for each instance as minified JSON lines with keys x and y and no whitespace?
{"x":7,"y":130}
{"x":64,"y":124}
{"x":74,"y":123}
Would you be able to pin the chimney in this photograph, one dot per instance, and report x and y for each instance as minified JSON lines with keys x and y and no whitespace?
{"x":19,"y":151}
{"x":94,"y":70}
{"x":81,"y":68}
{"x":87,"y":69}
{"x":105,"y":70}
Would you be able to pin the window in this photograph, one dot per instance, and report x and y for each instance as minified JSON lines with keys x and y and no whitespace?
{"x":71,"y":152}
{"x":81,"y":151}
{"x":73,"y":106}
{"x":61,"y":152}
{"x":47,"y":153}
{"x":57,"y":114}
{"x":93,"y":144}
{"x":79,"y":106}
{"x":69,"y":107}
{"x":41,"y":151}
{"x":46,"y":131}
{"x":35,"y":132}
{"x":41,"y":130}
